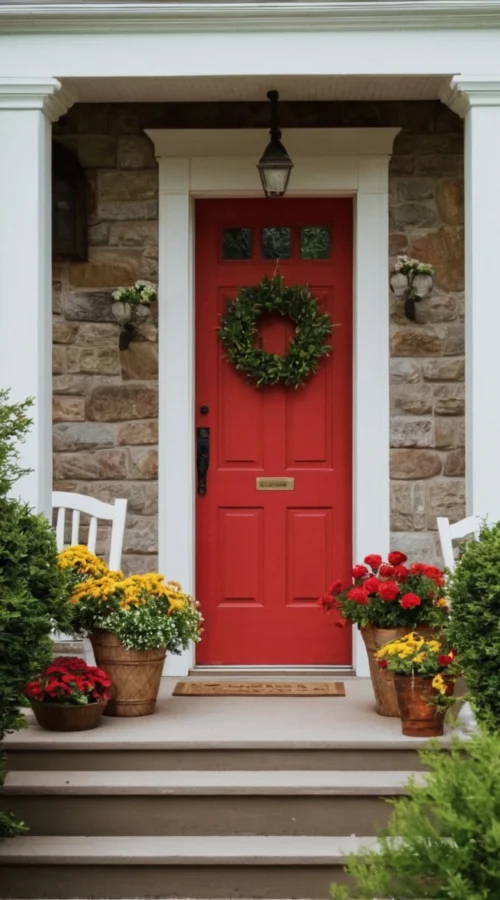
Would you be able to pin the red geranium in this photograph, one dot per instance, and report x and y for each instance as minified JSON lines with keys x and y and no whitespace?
{"x":386,"y":571}
{"x":373,"y":560}
{"x":359,"y":571}
{"x":401,"y":573}
{"x":445,"y":660}
{"x":371,"y":585}
{"x":388,"y":590}
{"x":358,"y":595}
{"x":70,"y":680}
{"x":410,"y":600}
{"x":396,"y":558}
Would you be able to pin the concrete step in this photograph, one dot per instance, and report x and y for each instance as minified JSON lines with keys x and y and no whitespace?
{"x":278,"y":867}
{"x":52,"y":753}
{"x":202,"y":802}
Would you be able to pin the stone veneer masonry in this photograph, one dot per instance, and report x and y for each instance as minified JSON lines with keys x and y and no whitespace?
{"x":105,"y":401}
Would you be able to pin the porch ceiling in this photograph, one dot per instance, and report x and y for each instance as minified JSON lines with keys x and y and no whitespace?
{"x":227,"y":89}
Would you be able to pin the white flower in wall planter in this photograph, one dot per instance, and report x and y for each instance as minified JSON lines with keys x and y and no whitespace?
{"x":131,"y":307}
{"x":411,"y":280}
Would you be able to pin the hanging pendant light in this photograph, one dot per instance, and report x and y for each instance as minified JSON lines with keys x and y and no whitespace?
{"x":275,"y":164}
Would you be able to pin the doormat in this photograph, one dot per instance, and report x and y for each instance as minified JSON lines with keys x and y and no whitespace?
{"x":259,"y":689}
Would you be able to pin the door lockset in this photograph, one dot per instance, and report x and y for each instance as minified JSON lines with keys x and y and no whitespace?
{"x":202,"y":458}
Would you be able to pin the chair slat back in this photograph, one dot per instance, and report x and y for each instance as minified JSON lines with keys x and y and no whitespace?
{"x":115,"y":513}
{"x":456,"y":532}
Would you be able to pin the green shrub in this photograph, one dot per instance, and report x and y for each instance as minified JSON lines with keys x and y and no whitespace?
{"x":443,"y":840}
{"x":474,"y":631}
{"x":32,"y":589}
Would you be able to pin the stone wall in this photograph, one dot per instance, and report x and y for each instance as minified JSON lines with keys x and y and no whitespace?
{"x":427,"y":357}
{"x":105,"y":402}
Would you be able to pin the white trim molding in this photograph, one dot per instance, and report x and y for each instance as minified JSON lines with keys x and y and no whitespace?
{"x":276,"y":15}
{"x":465,"y":91}
{"x":222,"y":163}
{"x":44,"y":94}
{"x":477,"y":99}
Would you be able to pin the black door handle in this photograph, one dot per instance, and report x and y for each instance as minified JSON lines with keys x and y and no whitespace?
{"x":202,"y":458}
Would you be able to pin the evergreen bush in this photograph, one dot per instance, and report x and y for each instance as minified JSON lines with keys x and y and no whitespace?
{"x":474,"y":631}
{"x":33,"y":591}
{"x":443,"y":839}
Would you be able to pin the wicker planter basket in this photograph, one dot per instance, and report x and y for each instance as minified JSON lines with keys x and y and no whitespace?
{"x":386,"y":702}
{"x":418,"y":718}
{"x":63,"y":717}
{"x":135,"y":675}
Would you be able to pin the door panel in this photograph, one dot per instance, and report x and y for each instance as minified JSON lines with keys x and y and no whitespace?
{"x":264,"y":557}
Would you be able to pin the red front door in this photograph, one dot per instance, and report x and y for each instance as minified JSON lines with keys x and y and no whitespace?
{"x":264,"y":557}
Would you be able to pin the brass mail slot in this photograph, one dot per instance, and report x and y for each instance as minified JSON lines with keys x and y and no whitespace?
{"x":275,"y":484}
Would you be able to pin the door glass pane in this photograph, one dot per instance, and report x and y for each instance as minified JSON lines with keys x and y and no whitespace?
{"x":237,"y":243}
{"x":276,"y":243}
{"x":314,"y":243}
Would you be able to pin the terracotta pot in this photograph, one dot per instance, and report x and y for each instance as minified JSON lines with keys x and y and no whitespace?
{"x":419,"y":719}
{"x":63,"y":717}
{"x":135,"y":675}
{"x":386,"y":703}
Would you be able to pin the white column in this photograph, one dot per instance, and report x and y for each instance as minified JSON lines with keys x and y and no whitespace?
{"x":371,"y":484}
{"x":477,"y":99}
{"x":26,"y":109}
{"x":176,"y":497}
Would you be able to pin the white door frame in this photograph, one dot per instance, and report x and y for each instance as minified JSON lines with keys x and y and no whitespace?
{"x":328,"y":162}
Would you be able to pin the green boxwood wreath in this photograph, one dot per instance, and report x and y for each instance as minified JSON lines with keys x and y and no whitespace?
{"x":238,"y":327}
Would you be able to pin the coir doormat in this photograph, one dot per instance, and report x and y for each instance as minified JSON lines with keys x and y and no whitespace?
{"x":259,"y":689}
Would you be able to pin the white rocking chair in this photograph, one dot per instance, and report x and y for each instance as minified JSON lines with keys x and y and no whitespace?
{"x":97,"y":511}
{"x":447,"y":534}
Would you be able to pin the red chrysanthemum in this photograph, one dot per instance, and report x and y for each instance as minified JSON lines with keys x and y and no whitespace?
{"x":388,"y":590}
{"x":371,"y":585}
{"x":326,"y":601}
{"x":410,"y":600}
{"x":396,"y":558}
{"x":386,"y":571}
{"x":382,"y":663}
{"x":373,"y":560}
{"x":401,"y":573}
{"x":358,"y":595}
{"x":335,"y":588}
{"x":359,"y":571}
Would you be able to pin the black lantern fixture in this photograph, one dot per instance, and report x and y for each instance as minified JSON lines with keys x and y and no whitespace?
{"x":69,"y":206}
{"x":274,"y":165}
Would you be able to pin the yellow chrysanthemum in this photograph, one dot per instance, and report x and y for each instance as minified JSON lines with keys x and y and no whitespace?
{"x":438,"y":684}
{"x":82,"y":560}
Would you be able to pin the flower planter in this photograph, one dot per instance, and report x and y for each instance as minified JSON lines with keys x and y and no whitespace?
{"x":386,"y":703}
{"x":419,"y":719}
{"x":66,"y":717}
{"x":135,"y":675}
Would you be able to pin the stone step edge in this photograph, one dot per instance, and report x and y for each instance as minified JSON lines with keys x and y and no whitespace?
{"x":222,"y":850}
{"x":29,"y":742}
{"x":214,"y":783}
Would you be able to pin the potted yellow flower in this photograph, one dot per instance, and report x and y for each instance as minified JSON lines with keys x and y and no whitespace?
{"x":424,"y":672}
{"x":132,"y":623}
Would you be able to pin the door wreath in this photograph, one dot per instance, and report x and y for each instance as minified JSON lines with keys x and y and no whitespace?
{"x":238,"y":327}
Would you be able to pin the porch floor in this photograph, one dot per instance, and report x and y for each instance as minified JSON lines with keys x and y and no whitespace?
{"x":238,"y":722}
